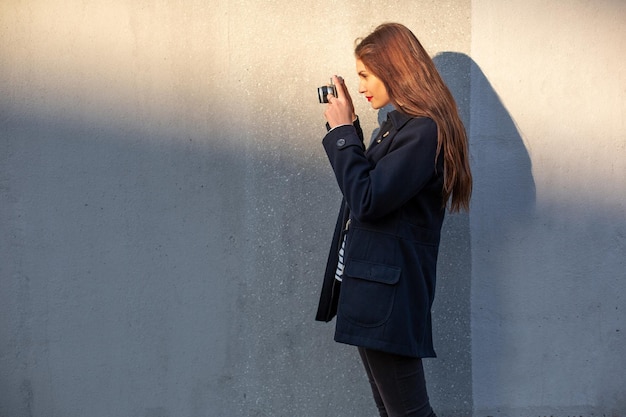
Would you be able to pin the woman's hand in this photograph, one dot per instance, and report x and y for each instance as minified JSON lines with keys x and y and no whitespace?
{"x":340,"y":110}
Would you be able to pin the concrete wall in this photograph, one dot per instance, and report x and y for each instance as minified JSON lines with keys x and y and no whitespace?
{"x":548,"y":222}
{"x":165,"y":208}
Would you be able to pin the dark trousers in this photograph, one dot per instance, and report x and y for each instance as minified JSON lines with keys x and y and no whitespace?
{"x":398,"y":384}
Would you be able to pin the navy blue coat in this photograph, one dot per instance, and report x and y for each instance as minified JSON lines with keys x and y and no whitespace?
{"x":393,"y":198}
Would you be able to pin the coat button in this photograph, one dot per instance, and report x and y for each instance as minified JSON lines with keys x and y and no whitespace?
{"x":341,"y":142}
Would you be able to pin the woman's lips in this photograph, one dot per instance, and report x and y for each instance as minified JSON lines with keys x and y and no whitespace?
{"x":369,"y":98}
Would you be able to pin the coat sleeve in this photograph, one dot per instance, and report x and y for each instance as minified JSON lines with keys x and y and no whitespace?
{"x":375,"y":189}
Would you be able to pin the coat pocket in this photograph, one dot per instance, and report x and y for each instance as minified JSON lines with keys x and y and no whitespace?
{"x":368,"y":292}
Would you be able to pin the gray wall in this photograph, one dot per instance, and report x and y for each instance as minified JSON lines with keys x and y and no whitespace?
{"x":548,"y":222}
{"x":166,"y":207}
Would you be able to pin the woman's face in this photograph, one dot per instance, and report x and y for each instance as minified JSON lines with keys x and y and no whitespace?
{"x":371,"y":86}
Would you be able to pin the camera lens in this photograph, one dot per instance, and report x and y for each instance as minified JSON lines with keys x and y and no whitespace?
{"x":325,"y":90}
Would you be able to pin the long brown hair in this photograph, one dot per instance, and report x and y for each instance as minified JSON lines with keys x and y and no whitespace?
{"x":397,"y":58}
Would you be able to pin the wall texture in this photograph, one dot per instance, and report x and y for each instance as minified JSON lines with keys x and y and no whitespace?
{"x":548,"y":222}
{"x":166,"y":208}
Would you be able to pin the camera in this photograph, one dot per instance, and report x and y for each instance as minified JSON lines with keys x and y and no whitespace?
{"x":325,"y":90}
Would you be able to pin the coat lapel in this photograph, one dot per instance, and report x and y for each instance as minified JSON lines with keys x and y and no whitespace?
{"x":382,"y":141}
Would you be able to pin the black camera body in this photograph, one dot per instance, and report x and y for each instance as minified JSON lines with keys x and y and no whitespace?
{"x":325,"y":90}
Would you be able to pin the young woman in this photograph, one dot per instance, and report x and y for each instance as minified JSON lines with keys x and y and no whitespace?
{"x":380,"y":276}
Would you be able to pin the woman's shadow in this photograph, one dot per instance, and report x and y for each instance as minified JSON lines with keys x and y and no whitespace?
{"x":503,"y":196}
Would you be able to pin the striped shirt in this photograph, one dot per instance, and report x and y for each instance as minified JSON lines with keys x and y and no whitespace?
{"x":340,"y":264}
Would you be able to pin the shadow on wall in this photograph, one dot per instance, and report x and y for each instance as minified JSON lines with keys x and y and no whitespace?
{"x":504,"y":192}
{"x":545,"y":288}
{"x":545,"y":285}
{"x":161,"y":275}
{"x":173,"y":269}
{"x":116,"y":241}
{"x":502,"y":212}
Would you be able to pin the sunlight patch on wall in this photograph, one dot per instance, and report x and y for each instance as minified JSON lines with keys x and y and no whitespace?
{"x":139,"y":65}
{"x":563,"y":84}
